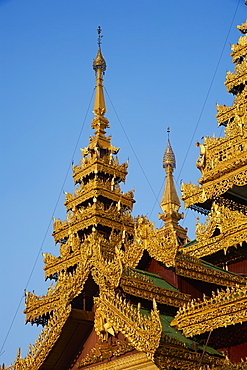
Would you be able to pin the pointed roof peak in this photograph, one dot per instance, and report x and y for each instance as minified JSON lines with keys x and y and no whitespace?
{"x":99,"y":61}
{"x":170,"y":203}
{"x":169,"y":157}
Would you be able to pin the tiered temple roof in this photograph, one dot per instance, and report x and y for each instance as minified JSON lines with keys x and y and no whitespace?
{"x":119,"y":284}
{"x":221,"y":194}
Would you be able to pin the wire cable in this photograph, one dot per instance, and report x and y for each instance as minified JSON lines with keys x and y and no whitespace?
{"x":132,"y":148}
{"x":49,"y":224}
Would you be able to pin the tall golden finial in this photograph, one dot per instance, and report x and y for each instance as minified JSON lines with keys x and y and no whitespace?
{"x":99,"y":122}
{"x":99,"y":66}
{"x":170,"y":198}
{"x":170,"y":203}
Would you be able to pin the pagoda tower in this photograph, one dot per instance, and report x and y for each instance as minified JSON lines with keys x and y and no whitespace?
{"x":98,"y":206}
{"x":118,"y":282}
{"x":98,"y":202}
{"x":84,"y":303}
{"x":222,"y":190}
{"x":221,"y":193}
{"x":170,"y":203}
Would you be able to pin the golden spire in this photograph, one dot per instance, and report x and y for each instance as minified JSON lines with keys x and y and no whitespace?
{"x":99,"y":123}
{"x":99,"y":66}
{"x":170,"y":203}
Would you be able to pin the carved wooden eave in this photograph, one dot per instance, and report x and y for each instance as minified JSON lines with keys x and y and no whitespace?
{"x":46,"y":340}
{"x":69,"y":285}
{"x":217,"y":243}
{"x":97,"y":165}
{"x":98,"y":188}
{"x":226,"y":115}
{"x":231,"y":225}
{"x":144,"y":288}
{"x":92,"y":215}
{"x":72,"y":252}
{"x":146,"y":237}
{"x":238,"y":77}
{"x":66,"y":289}
{"x":58,"y":341}
{"x":194,"y":268}
{"x":105,"y":351}
{"x":239,"y":49}
{"x":224,"y":156}
{"x":113,"y":315}
{"x":223,"y":161}
{"x":228,"y":365}
{"x":162,"y":248}
{"x":179,"y":357}
{"x":54,"y":265}
{"x":170,"y":352}
{"x":227,"y":167}
{"x":223,"y":309}
{"x":131,"y":362}
{"x":183,"y":353}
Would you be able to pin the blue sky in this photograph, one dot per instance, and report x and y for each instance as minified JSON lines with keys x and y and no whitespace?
{"x":166,"y":66}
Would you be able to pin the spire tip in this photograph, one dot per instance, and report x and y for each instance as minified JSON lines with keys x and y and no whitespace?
{"x":99,"y":61}
{"x":169,"y":157}
{"x":168,"y":132}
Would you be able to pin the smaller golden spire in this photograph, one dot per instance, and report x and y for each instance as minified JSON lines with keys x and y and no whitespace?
{"x":169,"y":157}
{"x":170,"y":203}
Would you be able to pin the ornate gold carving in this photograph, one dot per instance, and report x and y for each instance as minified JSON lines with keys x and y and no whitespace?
{"x":193,"y":194}
{"x":168,"y":356}
{"x":93,"y":214}
{"x":162,"y":248}
{"x":96,"y":188}
{"x":239,"y":76}
{"x":228,"y":365}
{"x":224,"y":308}
{"x":106,"y":273}
{"x":95,"y":165}
{"x":67,"y":287}
{"x":224,"y":159}
{"x":130,"y":362}
{"x":105,"y":351}
{"x":193,"y":268}
{"x":49,"y":335}
{"x":98,"y":177}
{"x":239,"y":49}
{"x":149,"y":291}
{"x":231,"y":224}
{"x":114,"y":314}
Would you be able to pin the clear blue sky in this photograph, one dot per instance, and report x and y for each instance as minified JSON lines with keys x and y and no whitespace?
{"x":161,"y":59}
